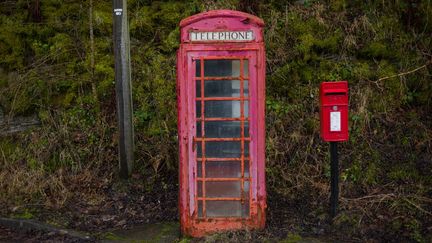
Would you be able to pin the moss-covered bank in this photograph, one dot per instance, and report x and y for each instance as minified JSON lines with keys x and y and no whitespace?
{"x":382,"y":48}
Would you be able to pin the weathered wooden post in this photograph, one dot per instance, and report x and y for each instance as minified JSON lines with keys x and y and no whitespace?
{"x":123,"y":87}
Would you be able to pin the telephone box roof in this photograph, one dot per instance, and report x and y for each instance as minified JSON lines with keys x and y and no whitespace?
{"x":222,"y":13}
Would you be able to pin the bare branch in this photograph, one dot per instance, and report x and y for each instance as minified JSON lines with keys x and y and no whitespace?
{"x":404,"y":73}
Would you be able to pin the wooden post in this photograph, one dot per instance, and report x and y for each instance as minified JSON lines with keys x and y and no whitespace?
{"x":123,"y":87}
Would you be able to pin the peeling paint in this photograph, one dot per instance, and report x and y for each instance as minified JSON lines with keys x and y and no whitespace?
{"x":191,"y":222}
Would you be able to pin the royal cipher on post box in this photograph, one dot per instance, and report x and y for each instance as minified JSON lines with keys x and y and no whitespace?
{"x":221,"y":101}
{"x":334,"y":111}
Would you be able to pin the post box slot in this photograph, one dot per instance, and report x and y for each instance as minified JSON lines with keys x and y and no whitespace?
{"x":338,"y":92}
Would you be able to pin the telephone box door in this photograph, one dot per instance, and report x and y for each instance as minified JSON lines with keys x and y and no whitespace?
{"x":221,"y":100}
{"x":221,"y":140}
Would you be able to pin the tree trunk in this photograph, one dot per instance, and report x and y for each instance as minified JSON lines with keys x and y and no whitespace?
{"x":92,"y":55}
{"x":34,"y":12}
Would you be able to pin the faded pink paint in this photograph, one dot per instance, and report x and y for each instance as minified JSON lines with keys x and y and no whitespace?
{"x":220,"y":20}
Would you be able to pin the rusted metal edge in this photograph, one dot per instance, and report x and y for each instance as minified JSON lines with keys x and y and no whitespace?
{"x":221,"y":139}
{"x":221,"y":78}
{"x":221,"y":119}
{"x":221,"y":99}
{"x":223,"y":179}
{"x":223,"y":159}
{"x":221,"y":13}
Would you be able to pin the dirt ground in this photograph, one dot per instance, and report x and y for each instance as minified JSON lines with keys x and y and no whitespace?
{"x":123,"y":206}
{"x":128,"y":206}
{"x":12,"y":235}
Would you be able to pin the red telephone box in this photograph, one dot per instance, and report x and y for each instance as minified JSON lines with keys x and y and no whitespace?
{"x":334,"y":111}
{"x":221,"y":101}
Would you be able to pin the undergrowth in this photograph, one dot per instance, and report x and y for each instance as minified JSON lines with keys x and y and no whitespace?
{"x":383,"y":49}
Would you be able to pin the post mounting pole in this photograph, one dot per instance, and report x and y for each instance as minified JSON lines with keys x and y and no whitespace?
{"x":123,"y":87}
{"x":334,"y":184}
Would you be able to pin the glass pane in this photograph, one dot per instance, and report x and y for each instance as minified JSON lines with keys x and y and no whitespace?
{"x":198,"y":88}
{"x":199,"y":149}
{"x":199,"y":189}
{"x":197,"y":68}
{"x":223,"y":88}
{"x":222,"y":189}
{"x":223,"y":169}
{"x":200,"y":209}
{"x":224,"y":209}
{"x":199,"y":169}
{"x":246,"y":168}
{"x":246,"y":88}
{"x":246,"y":129}
{"x":223,"y":129}
{"x":199,"y":129}
{"x":245,"y":68}
{"x":246,"y":149}
{"x":198,"y":108}
{"x":222,"y":68}
{"x":246,"y":108}
{"x":218,"y":108}
{"x":229,"y":149}
{"x":246,"y":189}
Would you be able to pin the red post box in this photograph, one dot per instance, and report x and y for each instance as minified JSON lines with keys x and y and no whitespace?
{"x":221,"y":93}
{"x":334,"y":111}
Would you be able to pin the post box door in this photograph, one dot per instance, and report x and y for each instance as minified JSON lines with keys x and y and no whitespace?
{"x":334,"y":111}
{"x":222,"y":91}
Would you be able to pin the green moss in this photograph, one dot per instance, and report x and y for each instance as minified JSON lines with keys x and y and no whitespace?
{"x":112,"y":236}
{"x":292,"y":238}
{"x":25,"y":214}
{"x":403,"y":172}
{"x":362,"y":70}
{"x":330,"y":42}
{"x":346,"y":221}
{"x":338,"y":5}
{"x":414,"y":227}
{"x":185,"y":240}
{"x":45,"y":69}
{"x":376,"y":50}
{"x":372,"y":172}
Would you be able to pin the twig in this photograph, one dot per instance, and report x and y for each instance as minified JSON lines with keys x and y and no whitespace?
{"x":404,"y":73}
{"x":418,"y":207}
{"x":370,"y":196}
{"x":422,"y":198}
{"x":373,"y":199}
{"x":4,"y":156}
